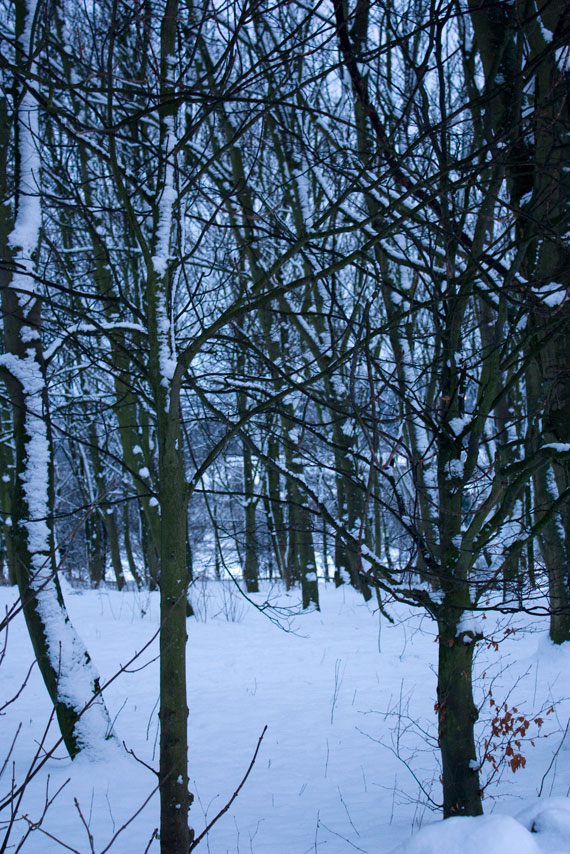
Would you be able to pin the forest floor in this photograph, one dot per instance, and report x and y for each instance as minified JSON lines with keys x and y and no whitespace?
{"x":349,"y":762}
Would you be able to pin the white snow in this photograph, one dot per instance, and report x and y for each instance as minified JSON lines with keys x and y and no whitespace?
{"x":35,"y":474}
{"x":552,"y":295}
{"x":167,"y":201}
{"x":338,"y":710}
{"x":90,"y":329}
{"x":166,"y":347}
{"x":549,"y":817}
{"x":546,"y":33}
{"x":458,"y":424}
{"x":492,"y":834}
{"x":469,"y":624}
{"x":25,"y":235}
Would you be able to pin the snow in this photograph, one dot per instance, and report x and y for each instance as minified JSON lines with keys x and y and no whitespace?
{"x":493,"y":834}
{"x":546,"y":33}
{"x":166,"y":204}
{"x":166,"y":349}
{"x":457,"y":425}
{"x":90,"y":329}
{"x":25,"y":235}
{"x":549,"y":818}
{"x":469,"y":625}
{"x":454,"y":468}
{"x":338,"y":710}
{"x":553,"y":294}
{"x":545,"y":826}
{"x":35,"y":474}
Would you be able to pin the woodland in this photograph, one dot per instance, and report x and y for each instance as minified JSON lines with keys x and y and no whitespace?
{"x":284,"y":297}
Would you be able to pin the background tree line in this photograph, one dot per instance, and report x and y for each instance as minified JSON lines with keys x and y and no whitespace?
{"x":284,"y":288}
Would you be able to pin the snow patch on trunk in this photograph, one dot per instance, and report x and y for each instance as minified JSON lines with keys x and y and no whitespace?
{"x":167,"y":200}
{"x":78,"y":679}
{"x":25,"y":235}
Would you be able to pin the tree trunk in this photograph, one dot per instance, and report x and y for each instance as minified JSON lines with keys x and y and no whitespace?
{"x":554,"y":535}
{"x":129,"y":547}
{"x":527,"y":121}
{"x":276,"y":524}
{"x":553,"y":550}
{"x":96,"y":542}
{"x":457,"y":715}
{"x":7,"y":568}
{"x":65,"y":665}
{"x":301,"y":562}
{"x":114,"y":547}
{"x":150,"y":552}
{"x":175,"y":799}
{"x":250,"y":568}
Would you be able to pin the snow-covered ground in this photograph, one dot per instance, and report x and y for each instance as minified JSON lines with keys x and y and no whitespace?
{"x":349,"y":761}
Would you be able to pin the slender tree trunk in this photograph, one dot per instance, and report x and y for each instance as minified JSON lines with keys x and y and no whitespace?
{"x":7,"y":568}
{"x":96,"y":542}
{"x":457,"y":715}
{"x":554,"y":533}
{"x":553,"y":550}
{"x":150,"y":551}
{"x":104,"y":515}
{"x":251,"y":568}
{"x":114,"y":548}
{"x":277,"y":525}
{"x":129,"y":547}
{"x":350,"y":505}
{"x":175,"y":799}
{"x":251,"y":563}
{"x":301,"y":562}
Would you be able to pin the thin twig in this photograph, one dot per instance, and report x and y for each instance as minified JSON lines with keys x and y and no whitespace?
{"x":22,"y":686}
{"x":340,"y":836}
{"x":132,"y":818}
{"x":7,"y":759}
{"x":553,"y":760}
{"x":142,"y":762}
{"x":154,"y":835}
{"x":233,"y":797}
{"x":85,"y":825}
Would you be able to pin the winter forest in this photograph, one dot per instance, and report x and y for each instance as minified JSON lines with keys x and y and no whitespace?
{"x":285,"y":426}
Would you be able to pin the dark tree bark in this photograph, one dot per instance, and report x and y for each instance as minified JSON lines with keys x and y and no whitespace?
{"x":527,"y":122}
{"x":457,"y":716}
